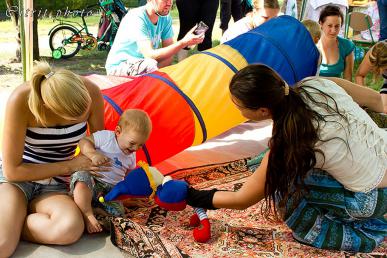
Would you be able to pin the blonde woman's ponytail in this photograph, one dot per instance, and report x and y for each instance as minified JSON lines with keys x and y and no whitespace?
{"x":35,"y":101}
{"x":60,"y":91}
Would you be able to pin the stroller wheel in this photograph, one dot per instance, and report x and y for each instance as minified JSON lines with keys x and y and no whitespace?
{"x":102,"y":46}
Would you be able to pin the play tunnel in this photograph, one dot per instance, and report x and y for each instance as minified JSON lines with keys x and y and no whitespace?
{"x":189,"y":102}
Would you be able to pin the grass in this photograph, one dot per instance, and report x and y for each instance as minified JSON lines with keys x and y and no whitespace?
{"x":93,"y":61}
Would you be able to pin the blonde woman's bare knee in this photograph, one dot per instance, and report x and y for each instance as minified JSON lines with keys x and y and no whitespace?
{"x":12,"y":215}
{"x":59,"y":215}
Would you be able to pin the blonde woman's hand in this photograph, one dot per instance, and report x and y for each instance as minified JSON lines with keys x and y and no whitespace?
{"x":82,"y":163}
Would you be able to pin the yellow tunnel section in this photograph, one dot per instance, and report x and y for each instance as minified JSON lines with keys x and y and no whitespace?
{"x":208,"y":88}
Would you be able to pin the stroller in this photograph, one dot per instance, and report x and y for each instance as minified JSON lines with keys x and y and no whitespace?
{"x":112,"y":13}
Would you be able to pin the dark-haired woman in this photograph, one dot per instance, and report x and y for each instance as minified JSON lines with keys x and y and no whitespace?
{"x":337,"y":52}
{"x":325,"y":173}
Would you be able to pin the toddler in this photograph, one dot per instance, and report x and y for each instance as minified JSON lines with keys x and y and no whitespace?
{"x":115,"y":150}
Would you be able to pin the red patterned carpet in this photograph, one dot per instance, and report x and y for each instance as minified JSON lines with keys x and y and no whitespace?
{"x":157,"y":233}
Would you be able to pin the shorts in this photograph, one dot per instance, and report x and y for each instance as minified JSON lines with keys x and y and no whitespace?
{"x":98,"y":189}
{"x":82,"y":176}
{"x":96,"y":186}
{"x":134,"y":67}
{"x":32,"y":189}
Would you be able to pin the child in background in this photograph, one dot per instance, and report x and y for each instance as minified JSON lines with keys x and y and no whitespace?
{"x":314,"y":29}
{"x":315,"y":32}
{"x":375,"y":61}
{"x":263,"y":10}
{"x":115,"y":150}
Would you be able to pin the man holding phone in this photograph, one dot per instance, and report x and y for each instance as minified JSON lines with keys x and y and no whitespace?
{"x":144,"y":40}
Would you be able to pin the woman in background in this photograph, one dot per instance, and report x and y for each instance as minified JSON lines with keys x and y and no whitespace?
{"x":263,"y":10}
{"x":337,"y":52}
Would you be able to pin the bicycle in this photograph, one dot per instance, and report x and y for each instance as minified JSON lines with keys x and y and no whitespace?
{"x":66,"y":40}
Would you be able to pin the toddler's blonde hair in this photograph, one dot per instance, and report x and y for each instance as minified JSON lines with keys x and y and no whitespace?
{"x":135,"y":119}
{"x":313,"y":27}
{"x":378,"y":56}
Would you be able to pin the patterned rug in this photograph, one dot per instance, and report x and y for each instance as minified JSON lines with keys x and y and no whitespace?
{"x":157,"y":233}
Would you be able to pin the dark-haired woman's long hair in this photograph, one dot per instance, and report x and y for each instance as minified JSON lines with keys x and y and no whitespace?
{"x":295,"y":130}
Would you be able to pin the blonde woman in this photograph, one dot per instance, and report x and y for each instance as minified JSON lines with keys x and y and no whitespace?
{"x":45,"y":119}
{"x":375,"y":61}
{"x":263,"y":10}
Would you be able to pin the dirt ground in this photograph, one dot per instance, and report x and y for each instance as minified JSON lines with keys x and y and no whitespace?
{"x":10,"y":74}
{"x":85,"y":62}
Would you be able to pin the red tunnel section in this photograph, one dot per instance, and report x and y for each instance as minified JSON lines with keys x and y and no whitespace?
{"x":172,"y":119}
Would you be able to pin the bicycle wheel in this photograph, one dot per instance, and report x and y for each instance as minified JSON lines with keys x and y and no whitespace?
{"x":67,"y":39}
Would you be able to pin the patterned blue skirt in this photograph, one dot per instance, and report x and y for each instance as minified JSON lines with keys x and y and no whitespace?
{"x":329,"y":216}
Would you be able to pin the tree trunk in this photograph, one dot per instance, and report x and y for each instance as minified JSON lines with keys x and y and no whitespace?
{"x":36,"y":54}
{"x":15,"y":21}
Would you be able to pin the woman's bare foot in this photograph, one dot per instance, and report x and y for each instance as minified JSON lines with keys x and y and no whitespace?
{"x":92,"y":224}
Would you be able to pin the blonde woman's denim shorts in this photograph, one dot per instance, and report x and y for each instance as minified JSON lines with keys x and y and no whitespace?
{"x":32,"y":190}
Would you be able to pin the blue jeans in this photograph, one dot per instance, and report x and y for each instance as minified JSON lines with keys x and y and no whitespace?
{"x":32,"y":190}
{"x":382,"y":6}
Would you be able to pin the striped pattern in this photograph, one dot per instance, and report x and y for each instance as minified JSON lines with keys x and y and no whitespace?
{"x":332,"y":217}
{"x":201,"y":213}
{"x":383,"y":90}
{"x":52,"y":144}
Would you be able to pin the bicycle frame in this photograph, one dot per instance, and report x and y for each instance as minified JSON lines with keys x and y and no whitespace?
{"x":81,"y":27}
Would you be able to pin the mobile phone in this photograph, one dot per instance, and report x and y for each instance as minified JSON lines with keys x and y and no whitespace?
{"x":201,"y":28}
